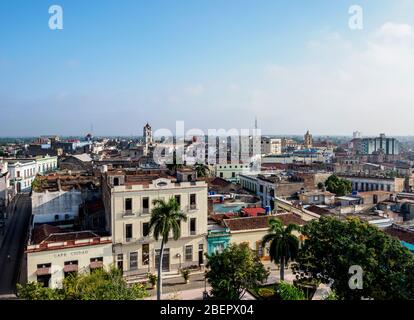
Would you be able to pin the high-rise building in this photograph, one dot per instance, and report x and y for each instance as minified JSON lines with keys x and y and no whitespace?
{"x":389,"y":146}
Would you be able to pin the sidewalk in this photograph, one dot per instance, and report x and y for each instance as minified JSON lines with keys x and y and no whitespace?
{"x":191,"y":294}
{"x":174,"y":287}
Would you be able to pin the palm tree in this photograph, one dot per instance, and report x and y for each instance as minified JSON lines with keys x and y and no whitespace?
{"x":165,"y":217}
{"x":284,"y":246}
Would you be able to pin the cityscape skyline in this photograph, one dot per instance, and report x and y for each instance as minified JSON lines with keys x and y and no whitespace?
{"x":274,"y":60}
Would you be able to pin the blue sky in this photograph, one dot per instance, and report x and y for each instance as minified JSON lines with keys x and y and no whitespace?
{"x":212,"y":63}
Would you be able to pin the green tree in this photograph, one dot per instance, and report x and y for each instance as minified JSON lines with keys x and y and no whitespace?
{"x":36,"y":291}
{"x":165,"y":217}
{"x":333,"y":246}
{"x":202,"y":170}
{"x":284,"y":246}
{"x":97,"y":285}
{"x":290,"y":292}
{"x":339,"y":186}
{"x":233,"y":271}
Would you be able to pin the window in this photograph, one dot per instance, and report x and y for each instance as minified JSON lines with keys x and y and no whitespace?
{"x":128,"y":204}
{"x":200,"y":247}
{"x":98,"y":259}
{"x":145,"y":205}
{"x":133,"y":260}
{"x":261,"y":188}
{"x":116,"y":181}
{"x":128,"y":232}
{"x":233,"y":174}
{"x":193,"y":203}
{"x":145,"y":229}
{"x":192,"y":226}
{"x":221,"y":174}
{"x":18,"y":174}
{"x":178,"y":199}
{"x":145,"y":254}
{"x":188,"y":253}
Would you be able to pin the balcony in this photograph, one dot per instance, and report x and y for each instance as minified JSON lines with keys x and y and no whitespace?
{"x":128,"y":213}
{"x":130,"y":240}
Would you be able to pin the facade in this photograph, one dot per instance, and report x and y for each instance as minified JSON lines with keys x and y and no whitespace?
{"x":46,"y":164}
{"x":271,"y":146}
{"x":307,"y":156}
{"x":54,"y":254}
{"x":230,"y":171}
{"x":56,"y":206}
{"x":317,"y":198}
{"x":128,"y":200}
{"x":22,"y":174}
{"x":369,"y":146}
{"x":375,"y":183}
{"x":218,"y":239}
{"x":268,"y":186}
{"x":4,"y":184}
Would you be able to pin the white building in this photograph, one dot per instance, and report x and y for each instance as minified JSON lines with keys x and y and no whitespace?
{"x":128,"y":199}
{"x":55,"y":206}
{"x":54,"y":254}
{"x":4,"y":184}
{"x":22,"y":174}
{"x":46,"y":164}
{"x":230,"y":171}
{"x":271,"y":146}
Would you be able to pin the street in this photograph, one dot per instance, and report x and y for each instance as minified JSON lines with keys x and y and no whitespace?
{"x":13,"y":244}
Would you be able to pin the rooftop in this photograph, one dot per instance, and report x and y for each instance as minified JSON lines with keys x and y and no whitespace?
{"x":48,"y":234}
{"x":400,"y":233}
{"x":261,"y":222}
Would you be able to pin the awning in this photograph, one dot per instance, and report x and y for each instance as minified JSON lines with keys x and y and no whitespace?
{"x":43,"y":271}
{"x":96,"y":265}
{"x":70,"y":268}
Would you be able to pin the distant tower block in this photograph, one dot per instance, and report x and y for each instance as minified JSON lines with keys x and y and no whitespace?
{"x":148,"y":135}
{"x":308,"y":141}
{"x":357,"y":135}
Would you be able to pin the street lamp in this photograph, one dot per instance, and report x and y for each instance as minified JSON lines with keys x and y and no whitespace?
{"x":179,"y":257}
{"x":205,"y":293}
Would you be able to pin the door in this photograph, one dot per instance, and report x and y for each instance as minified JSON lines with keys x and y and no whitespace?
{"x":120,"y":262}
{"x":165,"y":260}
{"x":200,"y":257}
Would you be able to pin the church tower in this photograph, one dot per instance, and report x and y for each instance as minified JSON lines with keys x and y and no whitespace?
{"x":147,"y":135}
{"x":308,"y":142}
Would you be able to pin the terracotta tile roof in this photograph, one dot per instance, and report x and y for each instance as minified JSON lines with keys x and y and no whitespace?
{"x":318,"y":210}
{"x":253,"y":212}
{"x":41,"y":232}
{"x":219,"y":182}
{"x":262,"y":222}
{"x":400,"y":234}
{"x":46,"y":233}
